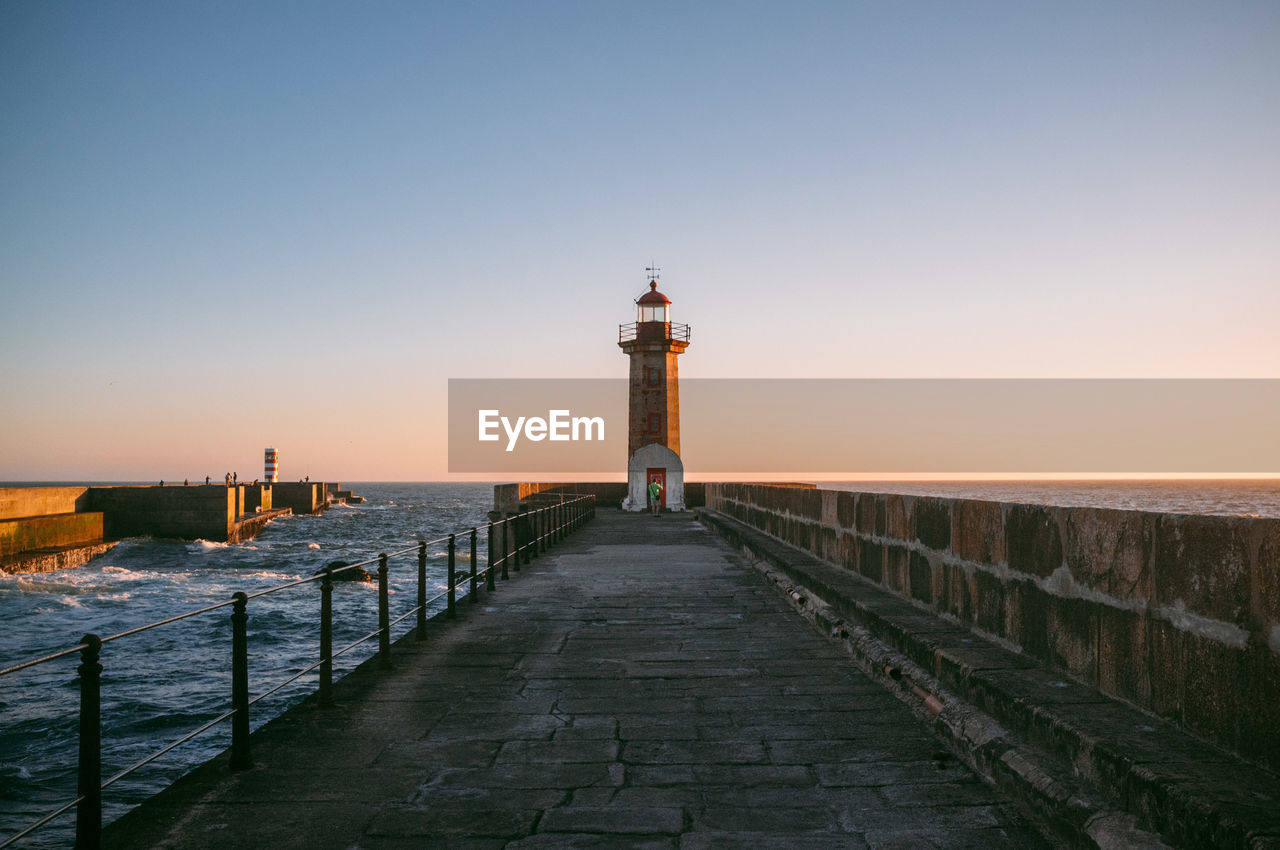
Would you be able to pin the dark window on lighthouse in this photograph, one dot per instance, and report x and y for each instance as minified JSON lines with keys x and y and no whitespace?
{"x":655,"y":422}
{"x":651,"y":378}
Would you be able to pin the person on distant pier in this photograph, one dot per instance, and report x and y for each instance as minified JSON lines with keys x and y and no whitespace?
{"x":206,"y":479}
{"x":235,"y":478}
{"x":185,"y":482}
{"x":655,"y":491}
{"x":161,"y":482}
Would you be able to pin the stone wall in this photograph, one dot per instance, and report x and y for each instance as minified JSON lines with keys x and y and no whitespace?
{"x":199,"y":511}
{"x":19,"y":502}
{"x":1175,"y":613}
{"x":301,"y":498}
{"x":49,"y":532}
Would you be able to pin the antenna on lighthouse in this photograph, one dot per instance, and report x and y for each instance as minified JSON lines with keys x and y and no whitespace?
{"x":652,"y":271}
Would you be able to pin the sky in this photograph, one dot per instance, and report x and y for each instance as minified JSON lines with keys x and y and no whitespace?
{"x":228,"y":226}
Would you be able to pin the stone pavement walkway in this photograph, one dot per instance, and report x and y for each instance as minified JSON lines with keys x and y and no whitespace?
{"x":637,"y":686}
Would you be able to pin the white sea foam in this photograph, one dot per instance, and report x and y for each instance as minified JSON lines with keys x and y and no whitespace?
{"x":123,"y":574}
{"x":270,"y":575}
{"x":313,"y":545}
{"x":206,"y":545}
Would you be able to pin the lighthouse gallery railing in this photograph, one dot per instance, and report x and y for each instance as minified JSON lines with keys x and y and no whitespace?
{"x":675,"y":330}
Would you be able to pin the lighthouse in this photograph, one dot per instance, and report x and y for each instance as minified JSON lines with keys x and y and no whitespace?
{"x":653,"y":342}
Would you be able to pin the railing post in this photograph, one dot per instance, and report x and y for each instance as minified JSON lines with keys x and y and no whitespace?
{"x":384,"y":616}
{"x":326,"y":637}
{"x":510,"y":551}
{"x":504,"y":550}
{"x":539,"y":525}
{"x":240,"y":756}
{"x":452,"y":575}
{"x":89,"y":780}
{"x":524,"y":536}
{"x":421,"y":633}
{"x":490,"y":580}
{"x":471,"y":591}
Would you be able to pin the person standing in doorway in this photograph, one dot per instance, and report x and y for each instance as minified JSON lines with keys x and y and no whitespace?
{"x":655,"y":495}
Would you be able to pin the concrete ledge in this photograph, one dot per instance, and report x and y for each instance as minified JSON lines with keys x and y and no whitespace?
{"x":1096,"y":768}
{"x":48,"y":560}
{"x":52,"y":531}
{"x":248,"y":527}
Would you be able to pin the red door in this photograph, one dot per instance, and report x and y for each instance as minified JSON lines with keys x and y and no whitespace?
{"x":658,"y":474}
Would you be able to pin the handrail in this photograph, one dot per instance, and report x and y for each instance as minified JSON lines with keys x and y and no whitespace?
{"x":671,"y":331}
{"x":522,"y":536}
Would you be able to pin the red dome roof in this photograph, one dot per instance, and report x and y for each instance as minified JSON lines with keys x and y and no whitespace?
{"x":653,"y":296}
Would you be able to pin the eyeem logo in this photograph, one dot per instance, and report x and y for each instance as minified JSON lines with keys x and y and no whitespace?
{"x":559,"y":426}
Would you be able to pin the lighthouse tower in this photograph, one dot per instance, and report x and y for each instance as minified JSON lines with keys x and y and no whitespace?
{"x":653,"y":342}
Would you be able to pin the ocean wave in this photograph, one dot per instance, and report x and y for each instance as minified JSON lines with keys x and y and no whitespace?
{"x":200,"y":544}
{"x":270,"y":575}
{"x":313,"y":545}
{"x":125,"y":574}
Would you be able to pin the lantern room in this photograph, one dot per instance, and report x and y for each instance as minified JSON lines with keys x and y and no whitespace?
{"x":653,"y":306}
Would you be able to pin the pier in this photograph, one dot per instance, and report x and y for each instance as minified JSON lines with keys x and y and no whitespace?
{"x":639,"y":683}
{"x":52,"y":528}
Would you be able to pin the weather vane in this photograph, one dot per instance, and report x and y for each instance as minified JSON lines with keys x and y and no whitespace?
{"x":653,"y":272}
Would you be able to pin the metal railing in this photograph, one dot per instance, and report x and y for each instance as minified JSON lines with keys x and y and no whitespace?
{"x":512,"y":540}
{"x":671,"y":330}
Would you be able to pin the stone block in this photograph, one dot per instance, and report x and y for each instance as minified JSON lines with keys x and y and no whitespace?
{"x":897,"y":519}
{"x":897,"y":570}
{"x":978,"y":531}
{"x":1033,"y":542}
{"x":990,"y":614}
{"x":1110,"y":550}
{"x":1123,"y":654}
{"x":1167,"y":668}
{"x":1213,"y":686}
{"x":830,"y":512}
{"x":959,"y":592}
{"x":849,"y":551}
{"x":846,"y":509}
{"x":921,"y":578}
{"x":1202,"y":562}
{"x":931,"y":519}
{"x":867,"y":513}
{"x":805,"y":502}
{"x":1260,"y":719}
{"x":830,"y":544}
{"x":1266,"y":579}
{"x":1026,"y":616}
{"x":871,"y":560}
{"x":1071,"y":629}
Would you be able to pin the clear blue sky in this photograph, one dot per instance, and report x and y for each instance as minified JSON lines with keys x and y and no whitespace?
{"x":224,"y":226}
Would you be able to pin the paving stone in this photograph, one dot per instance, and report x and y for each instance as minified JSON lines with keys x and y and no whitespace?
{"x":559,"y":751}
{"x":634,"y":820}
{"x":693,"y":752}
{"x":438,"y":821}
{"x":736,"y":840}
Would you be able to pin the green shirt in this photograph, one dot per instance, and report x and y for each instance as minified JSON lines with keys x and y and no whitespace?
{"x":654,"y":489}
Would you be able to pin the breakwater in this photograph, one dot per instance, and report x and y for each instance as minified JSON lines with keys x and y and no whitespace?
{"x":1177,"y":614}
{"x":47,"y":528}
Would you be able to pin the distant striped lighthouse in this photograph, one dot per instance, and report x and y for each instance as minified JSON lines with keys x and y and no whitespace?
{"x":272,"y":473}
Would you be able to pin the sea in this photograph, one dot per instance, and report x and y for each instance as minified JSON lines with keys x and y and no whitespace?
{"x":159,"y":684}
